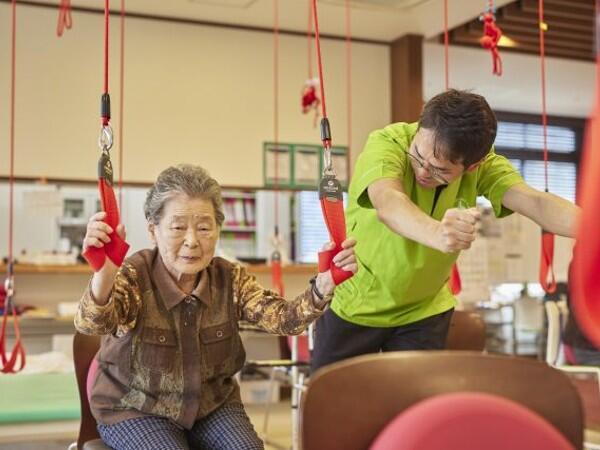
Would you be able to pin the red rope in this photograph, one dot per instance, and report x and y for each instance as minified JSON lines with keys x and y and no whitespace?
{"x":547,"y":279}
{"x":309,"y":34}
{"x":18,"y":352}
{"x":349,"y":76}
{"x":64,"y":17}
{"x":276,"y":271}
{"x":543,"y":76}
{"x":105,"y":120}
{"x":446,"y":46}
{"x":121,"y":100}
{"x":276,"y":106}
{"x":319,"y":60}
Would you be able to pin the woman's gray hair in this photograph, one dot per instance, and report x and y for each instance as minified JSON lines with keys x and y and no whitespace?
{"x":193,"y":181}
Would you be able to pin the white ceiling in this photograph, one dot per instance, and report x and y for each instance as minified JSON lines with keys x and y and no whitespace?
{"x":383,"y":20}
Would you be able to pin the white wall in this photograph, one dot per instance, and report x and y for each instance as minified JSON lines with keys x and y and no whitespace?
{"x":570,"y":85}
{"x":192,"y":94}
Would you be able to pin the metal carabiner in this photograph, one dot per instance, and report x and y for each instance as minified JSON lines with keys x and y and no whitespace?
{"x":105,"y":140}
{"x":9,"y":286}
{"x":327,"y":162}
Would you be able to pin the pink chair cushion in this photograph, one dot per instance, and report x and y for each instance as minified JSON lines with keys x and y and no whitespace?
{"x":91,"y":376}
{"x":469,"y":421}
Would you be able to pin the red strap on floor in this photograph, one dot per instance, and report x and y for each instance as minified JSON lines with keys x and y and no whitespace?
{"x":454,"y":283}
{"x":547,"y":279}
{"x":117,"y":248}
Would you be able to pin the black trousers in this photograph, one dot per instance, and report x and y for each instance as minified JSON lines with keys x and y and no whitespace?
{"x":337,"y":339}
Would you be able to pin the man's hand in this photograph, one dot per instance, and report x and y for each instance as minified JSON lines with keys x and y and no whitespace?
{"x":457,"y":230}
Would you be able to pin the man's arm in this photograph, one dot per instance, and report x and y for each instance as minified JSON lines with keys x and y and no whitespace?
{"x":394,"y":208}
{"x":552,"y":213}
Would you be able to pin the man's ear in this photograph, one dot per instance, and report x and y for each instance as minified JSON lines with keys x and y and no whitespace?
{"x":473,"y":166}
{"x":151,"y":232}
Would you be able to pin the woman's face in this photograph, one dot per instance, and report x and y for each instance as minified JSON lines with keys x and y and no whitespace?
{"x":186,"y":235}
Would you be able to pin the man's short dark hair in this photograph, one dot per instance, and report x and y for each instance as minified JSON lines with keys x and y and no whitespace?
{"x":463,"y":124}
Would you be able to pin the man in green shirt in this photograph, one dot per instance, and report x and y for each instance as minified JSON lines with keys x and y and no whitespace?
{"x":412,"y":209}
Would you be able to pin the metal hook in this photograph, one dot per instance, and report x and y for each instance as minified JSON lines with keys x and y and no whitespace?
{"x":105,"y":140}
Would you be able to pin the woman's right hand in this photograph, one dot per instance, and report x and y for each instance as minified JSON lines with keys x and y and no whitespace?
{"x":97,"y":235}
{"x":98,"y":231}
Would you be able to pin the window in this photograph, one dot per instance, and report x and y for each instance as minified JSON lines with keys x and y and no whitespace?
{"x":520,"y":139}
{"x":311,"y":230}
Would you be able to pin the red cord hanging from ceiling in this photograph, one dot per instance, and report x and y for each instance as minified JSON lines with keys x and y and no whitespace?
{"x":121,"y":99}
{"x":310,"y":99}
{"x":454,"y":282}
{"x":9,"y":362}
{"x":64,"y":17}
{"x":546,"y":276}
{"x":117,"y":248}
{"x":276,"y":256}
{"x":330,"y":189}
{"x":585,"y":273}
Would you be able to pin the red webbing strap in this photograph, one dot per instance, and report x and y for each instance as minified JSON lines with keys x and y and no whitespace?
{"x":64,"y":17}
{"x":117,"y":248}
{"x":18,"y":352}
{"x":277,"y":276}
{"x":455,"y":283}
{"x":585,"y":272}
{"x":547,"y":279}
{"x":330,"y":191}
{"x":333,"y":213}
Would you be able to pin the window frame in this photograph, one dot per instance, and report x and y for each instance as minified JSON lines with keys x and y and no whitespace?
{"x":524,"y":154}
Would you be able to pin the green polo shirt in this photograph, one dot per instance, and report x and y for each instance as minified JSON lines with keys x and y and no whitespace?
{"x":400,"y":281}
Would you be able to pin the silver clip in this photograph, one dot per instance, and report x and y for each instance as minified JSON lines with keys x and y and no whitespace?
{"x":105,"y":140}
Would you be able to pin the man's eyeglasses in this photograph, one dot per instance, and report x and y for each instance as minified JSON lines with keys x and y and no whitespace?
{"x":433,"y":172}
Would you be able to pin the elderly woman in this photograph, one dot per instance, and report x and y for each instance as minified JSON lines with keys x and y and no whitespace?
{"x":169,"y":317}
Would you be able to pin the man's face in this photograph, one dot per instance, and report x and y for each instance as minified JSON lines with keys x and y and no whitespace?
{"x":431,"y":171}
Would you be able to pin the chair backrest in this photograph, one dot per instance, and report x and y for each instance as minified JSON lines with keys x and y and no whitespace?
{"x":556,"y":315}
{"x":84,"y":350}
{"x":469,"y":421}
{"x":466,"y":332}
{"x":348,"y":403}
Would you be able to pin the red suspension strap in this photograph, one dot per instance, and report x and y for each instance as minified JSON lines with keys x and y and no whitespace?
{"x":330,"y":189}
{"x":18,"y":352}
{"x":491,"y":36}
{"x":585,"y":274}
{"x":454,"y":282}
{"x":117,"y":248}
{"x":276,"y":257}
{"x":64,"y":17}
{"x":546,"y":278}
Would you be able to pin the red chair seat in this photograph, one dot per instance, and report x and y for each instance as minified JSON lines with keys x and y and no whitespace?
{"x":469,"y":421}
